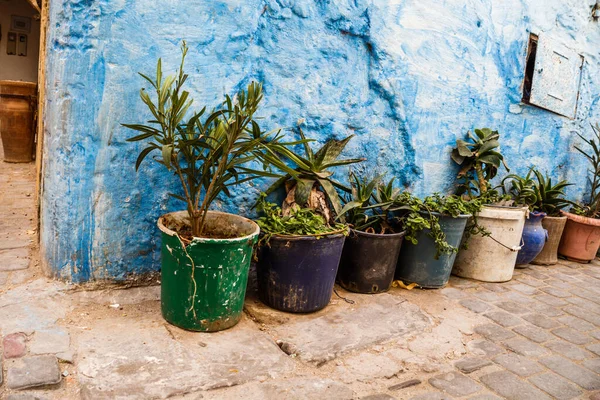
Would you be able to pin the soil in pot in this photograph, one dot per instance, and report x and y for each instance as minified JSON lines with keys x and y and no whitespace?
{"x":417,"y":262}
{"x":297,"y":273}
{"x":369,"y":261}
{"x":549,"y":254}
{"x":581,"y":238}
{"x":203,"y":282}
{"x":534,"y":238}
{"x":492,"y":258}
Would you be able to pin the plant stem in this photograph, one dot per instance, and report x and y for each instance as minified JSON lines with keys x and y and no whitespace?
{"x":480,"y":178}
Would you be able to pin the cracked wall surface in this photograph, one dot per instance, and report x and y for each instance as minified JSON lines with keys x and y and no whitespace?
{"x":406,"y":77}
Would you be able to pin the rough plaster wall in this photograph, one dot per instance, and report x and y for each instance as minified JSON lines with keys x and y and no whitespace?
{"x":407,"y":77}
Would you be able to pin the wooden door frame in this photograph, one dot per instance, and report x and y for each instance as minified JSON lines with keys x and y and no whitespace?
{"x":44,"y":25}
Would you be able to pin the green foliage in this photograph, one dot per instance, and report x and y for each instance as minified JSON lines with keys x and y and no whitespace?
{"x":209,"y":154}
{"x":420,"y":214}
{"x":363,"y":208}
{"x":479,"y":160}
{"x":539,"y":194}
{"x":300,"y":222}
{"x":314,"y":169}
{"x":591,"y":207}
{"x":550,"y":198}
{"x":521,"y":189}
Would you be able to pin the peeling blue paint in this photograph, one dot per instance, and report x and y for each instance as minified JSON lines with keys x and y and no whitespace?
{"x":406,"y":77}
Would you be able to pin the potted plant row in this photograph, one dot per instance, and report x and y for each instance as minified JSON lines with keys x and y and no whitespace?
{"x":581,"y":237}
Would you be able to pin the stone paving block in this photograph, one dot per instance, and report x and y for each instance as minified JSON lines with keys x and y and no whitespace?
{"x":453,"y":293}
{"x":431,"y":396}
{"x":585,"y":304}
{"x":518,"y":364}
{"x":590,"y":317}
{"x":555,"y":292}
{"x":495,"y":287}
{"x":469,"y":365}
{"x":25,"y":396}
{"x":477,"y":306}
{"x":494,"y":332}
{"x":571,"y":335}
{"x":34,"y":371}
{"x":14,"y":259}
{"x":486,"y":295}
{"x":547,"y":310}
{"x":366,"y":367}
{"x":341,"y":330}
{"x":485,"y":397}
{"x":586,"y":294}
{"x":551,"y":300}
{"x":576,"y":323}
{"x":573,"y":372}
{"x":509,"y":386}
{"x":518,"y":297}
{"x":484,"y":347}
{"x":14,"y":345}
{"x":559,"y":388}
{"x":405,"y":384}
{"x":541,"y":320}
{"x":592,"y":365}
{"x":455,"y":384}
{"x":595,"y":334}
{"x":512,"y":307}
{"x":594,"y":348}
{"x":311,"y":388}
{"x":526,"y":347}
{"x":50,"y":341}
{"x":503,"y":318}
{"x":536,"y":274}
{"x":3,"y":278}
{"x":110,"y":364}
{"x":378,"y":396}
{"x":568,"y":350}
{"x":528,"y":280}
{"x":526,"y":289}
{"x":533,"y":333}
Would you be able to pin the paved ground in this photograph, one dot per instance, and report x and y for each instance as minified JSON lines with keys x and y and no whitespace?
{"x":536,"y":337}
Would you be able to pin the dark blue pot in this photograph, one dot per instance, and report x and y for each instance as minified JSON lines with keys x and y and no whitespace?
{"x":297,"y":273}
{"x":534,"y":238}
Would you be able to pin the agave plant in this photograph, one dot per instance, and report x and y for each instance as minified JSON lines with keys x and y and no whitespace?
{"x":208,"y":155}
{"x":310,"y":183}
{"x":550,"y":198}
{"x":591,"y":208}
{"x":479,"y":160}
{"x":362,"y":209}
{"x":521,"y":189}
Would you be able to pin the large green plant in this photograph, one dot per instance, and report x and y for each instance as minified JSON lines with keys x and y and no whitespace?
{"x":312,"y":185}
{"x":479,"y":159}
{"x":208,"y":153}
{"x":591,"y":207}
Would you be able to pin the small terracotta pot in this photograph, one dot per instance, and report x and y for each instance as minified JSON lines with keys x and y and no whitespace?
{"x":555,"y":227}
{"x":581,"y":238}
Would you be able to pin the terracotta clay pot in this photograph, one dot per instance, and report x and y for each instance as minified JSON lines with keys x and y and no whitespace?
{"x":581,"y":238}
{"x":549,"y":254}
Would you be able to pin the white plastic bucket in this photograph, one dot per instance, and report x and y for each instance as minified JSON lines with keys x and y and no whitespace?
{"x":493,"y":258}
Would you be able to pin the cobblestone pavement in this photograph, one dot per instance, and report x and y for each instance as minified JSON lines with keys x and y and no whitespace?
{"x":536,"y":337}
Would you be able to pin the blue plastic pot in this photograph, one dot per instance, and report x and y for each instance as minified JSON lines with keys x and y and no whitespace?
{"x":534,"y":238}
{"x":297,"y":273}
{"x":417,"y":262}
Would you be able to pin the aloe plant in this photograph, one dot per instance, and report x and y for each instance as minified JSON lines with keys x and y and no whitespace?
{"x":550,"y":198}
{"x":479,"y":159}
{"x":591,"y":207}
{"x":367,"y":205}
{"x":311,"y":184}
{"x":208,"y":154}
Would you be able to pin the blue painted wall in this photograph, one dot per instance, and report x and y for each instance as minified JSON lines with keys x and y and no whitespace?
{"x":407,"y":77}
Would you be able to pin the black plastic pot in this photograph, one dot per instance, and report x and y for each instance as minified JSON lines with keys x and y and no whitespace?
{"x":297,"y":273}
{"x":369,"y":261}
{"x":417,"y":263}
